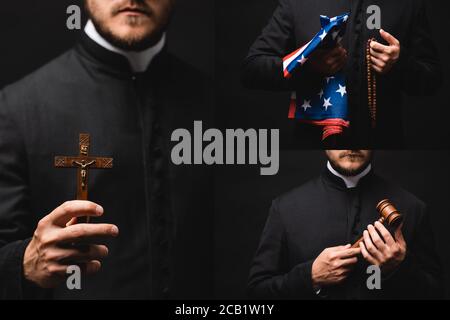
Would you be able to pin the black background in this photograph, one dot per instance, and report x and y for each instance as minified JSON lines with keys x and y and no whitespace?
{"x":243,"y":199}
{"x":239,"y":22}
{"x":215,"y":36}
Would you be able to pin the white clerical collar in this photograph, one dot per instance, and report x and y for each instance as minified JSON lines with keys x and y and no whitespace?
{"x":350,"y":182}
{"x":139,"y":60}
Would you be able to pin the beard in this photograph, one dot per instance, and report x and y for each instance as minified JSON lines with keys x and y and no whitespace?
{"x":137,"y":42}
{"x":351,"y":171}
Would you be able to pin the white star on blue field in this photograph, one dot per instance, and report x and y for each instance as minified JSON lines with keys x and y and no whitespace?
{"x":330,"y":101}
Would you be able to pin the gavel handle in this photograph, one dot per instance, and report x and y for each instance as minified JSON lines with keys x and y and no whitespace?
{"x":356,"y":244}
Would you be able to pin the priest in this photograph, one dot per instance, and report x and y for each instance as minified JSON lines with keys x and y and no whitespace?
{"x":99,"y":118}
{"x":403,"y":58}
{"x":305,"y":250}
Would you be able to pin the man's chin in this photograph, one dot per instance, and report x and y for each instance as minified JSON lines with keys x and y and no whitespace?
{"x":352,"y":170}
{"x":125,"y":28}
{"x":131,"y":38}
{"x":128,"y":33}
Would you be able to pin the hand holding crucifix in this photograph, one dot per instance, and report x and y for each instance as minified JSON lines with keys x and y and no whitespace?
{"x":58,"y":241}
{"x":83,"y":162}
{"x":51,"y":249}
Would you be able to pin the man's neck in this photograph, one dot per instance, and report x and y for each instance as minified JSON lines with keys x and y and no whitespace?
{"x":350,"y":181}
{"x":139,"y":60}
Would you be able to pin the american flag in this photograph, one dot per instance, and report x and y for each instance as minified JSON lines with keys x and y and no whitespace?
{"x":325,"y":105}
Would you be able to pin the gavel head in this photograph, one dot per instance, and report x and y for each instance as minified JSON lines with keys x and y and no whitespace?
{"x":390,"y":214}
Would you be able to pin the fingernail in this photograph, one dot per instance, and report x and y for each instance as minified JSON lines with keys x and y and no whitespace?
{"x":99,"y":210}
{"x":114,"y":230}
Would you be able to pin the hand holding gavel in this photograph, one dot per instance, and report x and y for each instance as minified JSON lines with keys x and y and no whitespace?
{"x":378,"y":246}
{"x":389,"y":214}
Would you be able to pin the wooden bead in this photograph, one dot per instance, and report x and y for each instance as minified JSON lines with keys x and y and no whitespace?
{"x":371,"y":87}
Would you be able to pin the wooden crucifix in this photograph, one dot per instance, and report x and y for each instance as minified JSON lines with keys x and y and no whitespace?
{"x":83,"y":162}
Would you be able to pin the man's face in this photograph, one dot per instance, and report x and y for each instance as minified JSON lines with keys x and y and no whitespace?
{"x":130,"y":24}
{"x":349,"y":162}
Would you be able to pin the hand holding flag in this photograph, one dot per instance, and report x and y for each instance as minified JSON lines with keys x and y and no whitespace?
{"x":325,"y":105}
{"x":328,"y":62}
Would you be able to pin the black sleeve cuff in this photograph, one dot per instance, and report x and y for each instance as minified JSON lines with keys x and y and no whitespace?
{"x":11,"y":269}
{"x":300,"y":281}
{"x":13,"y":285}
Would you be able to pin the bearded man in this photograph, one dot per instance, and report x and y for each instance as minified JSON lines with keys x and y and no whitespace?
{"x":122,"y":87}
{"x":305,"y":250}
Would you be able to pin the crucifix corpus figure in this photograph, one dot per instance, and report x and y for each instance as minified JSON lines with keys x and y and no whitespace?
{"x":83,"y":162}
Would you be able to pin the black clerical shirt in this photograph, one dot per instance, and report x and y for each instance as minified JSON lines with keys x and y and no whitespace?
{"x":129,"y":117}
{"x":324,"y":213}
{"x":418,"y":71}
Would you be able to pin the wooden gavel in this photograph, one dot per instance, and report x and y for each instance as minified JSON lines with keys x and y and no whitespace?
{"x":389,"y":214}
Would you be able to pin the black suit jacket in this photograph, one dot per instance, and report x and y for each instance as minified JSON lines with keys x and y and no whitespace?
{"x":323,"y":213}
{"x":295,"y":22}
